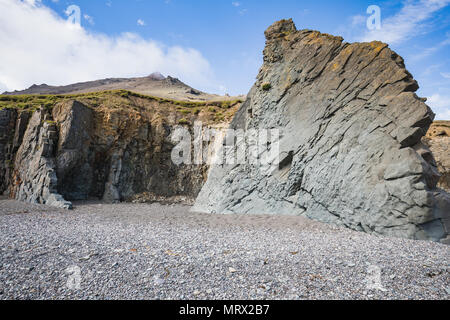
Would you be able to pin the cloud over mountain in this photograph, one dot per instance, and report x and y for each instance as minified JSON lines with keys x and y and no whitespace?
{"x":38,"y":46}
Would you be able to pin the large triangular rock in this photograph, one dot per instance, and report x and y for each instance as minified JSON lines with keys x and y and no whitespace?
{"x":350,"y":147}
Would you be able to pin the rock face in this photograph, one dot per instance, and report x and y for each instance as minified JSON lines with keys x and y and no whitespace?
{"x":116,"y":149}
{"x":36,"y":180}
{"x":350,"y":150}
{"x":438,"y":140}
{"x":7,"y":124}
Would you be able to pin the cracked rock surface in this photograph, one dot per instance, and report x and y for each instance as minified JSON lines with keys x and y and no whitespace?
{"x":350,"y":145}
{"x":76,"y":151}
{"x":438,"y":140}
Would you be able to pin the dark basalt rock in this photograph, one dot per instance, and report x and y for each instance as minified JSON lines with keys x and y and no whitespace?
{"x":74,"y":152}
{"x":352,"y":125}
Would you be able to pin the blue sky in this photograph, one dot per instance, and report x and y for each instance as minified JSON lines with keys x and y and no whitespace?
{"x":214,"y":46}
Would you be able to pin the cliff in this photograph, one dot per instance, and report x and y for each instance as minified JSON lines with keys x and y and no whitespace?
{"x":350,"y":150}
{"x":113,"y":145}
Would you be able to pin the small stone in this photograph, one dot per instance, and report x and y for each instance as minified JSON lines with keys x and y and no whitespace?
{"x":232,"y":270}
{"x":158,"y":280}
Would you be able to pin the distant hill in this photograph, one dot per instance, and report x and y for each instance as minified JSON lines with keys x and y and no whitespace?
{"x":155,"y":85}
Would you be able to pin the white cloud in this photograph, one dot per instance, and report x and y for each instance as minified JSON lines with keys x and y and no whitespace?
{"x":446,"y":75}
{"x":3,"y":88}
{"x":222,"y":89}
{"x":439,"y":101}
{"x":89,"y":19}
{"x":429,"y":51}
{"x":444,"y":115}
{"x":431,"y":69}
{"x":358,"y":20}
{"x":141,"y":22}
{"x":38,"y":47}
{"x":237,"y":5}
{"x":406,"y":24}
{"x":440,"y":105}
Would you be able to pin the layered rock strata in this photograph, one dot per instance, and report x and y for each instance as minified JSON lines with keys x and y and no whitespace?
{"x":71,"y":151}
{"x":350,"y":150}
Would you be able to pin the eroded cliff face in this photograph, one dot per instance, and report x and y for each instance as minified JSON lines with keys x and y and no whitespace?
{"x":438,"y":140}
{"x":350,"y":146}
{"x":116,"y":148}
{"x":34,"y":177}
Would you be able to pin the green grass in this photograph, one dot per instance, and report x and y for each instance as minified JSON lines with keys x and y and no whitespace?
{"x":266,"y":86}
{"x":183,"y":122}
{"x":35,"y":101}
{"x":122,"y":99}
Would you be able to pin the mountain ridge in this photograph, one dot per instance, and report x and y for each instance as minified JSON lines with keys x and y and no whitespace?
{"x":154,"y":84}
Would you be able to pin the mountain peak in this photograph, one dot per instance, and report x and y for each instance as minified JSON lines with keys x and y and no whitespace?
{"x":156,"y":76}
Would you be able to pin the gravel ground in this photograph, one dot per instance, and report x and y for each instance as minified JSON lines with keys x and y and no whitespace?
{"x":143,"y":251}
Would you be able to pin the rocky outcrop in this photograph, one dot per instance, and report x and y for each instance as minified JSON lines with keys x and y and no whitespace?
{"x":350,"y":150}
{"x":438,"y":140}
{"x":34,"y":177}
